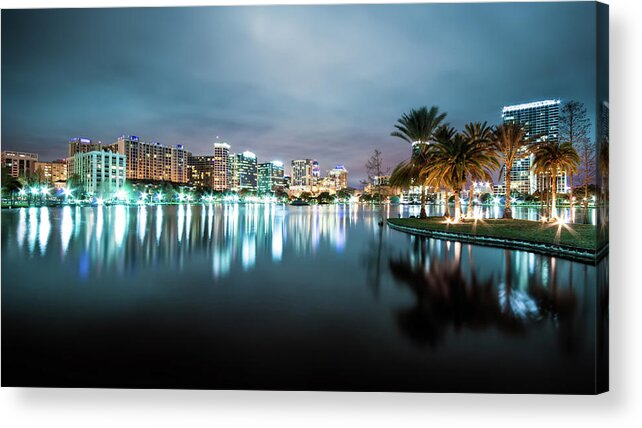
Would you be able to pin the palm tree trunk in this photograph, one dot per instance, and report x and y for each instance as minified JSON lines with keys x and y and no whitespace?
{"x":570,"y":193}
{"x":508,"y":213}
{"x":446,"y":210}
{"x":554,"y":193}
{"x":457,"y":205}
{"x":422,"y":212}
{"x":470,"y":199}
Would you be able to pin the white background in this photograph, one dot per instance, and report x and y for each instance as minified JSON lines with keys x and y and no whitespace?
{"x":620,"y":407}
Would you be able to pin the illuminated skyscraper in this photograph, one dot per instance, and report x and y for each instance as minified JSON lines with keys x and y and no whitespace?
{"x":305,"y":174}
{"x":152,"y":161}
{"x":270,"y":176}
{"x":541,"y":119}
{"x":220,"y":178}
{"x":243,"y":171}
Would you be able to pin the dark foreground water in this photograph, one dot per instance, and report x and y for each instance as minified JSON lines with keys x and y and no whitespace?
{"x":278,"y":297}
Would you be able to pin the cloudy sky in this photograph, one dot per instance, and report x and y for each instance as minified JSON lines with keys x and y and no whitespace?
{"x":286,"y":82}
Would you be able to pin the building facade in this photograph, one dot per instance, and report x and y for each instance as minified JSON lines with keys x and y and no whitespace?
{"x":270,"y":176}
{"x":304,"y":175}
{"x":101,"y":173}
{"x":53,"y":172}
{"x":338,"y":177}
{"x":201,"y":171}
{"x":19,"y":164}
{"x":153,"y":161}
{"x":221,"y":167}
{"x":243,"y":171}
{"x":540,"y":120}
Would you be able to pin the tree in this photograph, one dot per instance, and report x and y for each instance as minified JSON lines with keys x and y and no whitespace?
{"x":374,"y":168}
{"x":11,"y":184}
{"x":455,"y":158}
{"x":575,"y":128}
{"x":417,"y":127}
{"x":551,"y":157}
{"x":479,"y":135}
{"x":510,"y":142}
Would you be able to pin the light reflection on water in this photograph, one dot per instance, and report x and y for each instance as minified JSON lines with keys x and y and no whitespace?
{"x":383,"y":292}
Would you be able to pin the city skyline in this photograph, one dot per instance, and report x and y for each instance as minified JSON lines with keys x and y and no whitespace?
{"x":268,"y":91}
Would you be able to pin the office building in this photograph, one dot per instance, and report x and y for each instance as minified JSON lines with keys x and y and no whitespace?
{"x":338,"y":177}
{"x":19,"y":164}
{"x":304,"y":175}
{"x":201,"y":171}
{"x":243,"y":171}
{"x":221,"y":167}
{"x":101,"y":173}
{"x":270,"y":176}
{"x":152,"y":161}
{"x":52,"y":172}
{"x":540,"y":119}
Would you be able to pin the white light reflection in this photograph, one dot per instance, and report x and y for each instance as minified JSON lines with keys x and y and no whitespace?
{"x":180,"y":221}
{"x":159,"y":223}
{"x":99,"y":223}
{"x":120,"y":224}
{"x":248,"y":252}
{"x":33,"y":228}
{"x":66,"y":228}
{"x":142,"y":223}
{"x":22,"y":227}
{"x":44,"y":229}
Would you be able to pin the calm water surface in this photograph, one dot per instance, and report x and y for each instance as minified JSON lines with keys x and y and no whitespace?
{"x":279,"y":297}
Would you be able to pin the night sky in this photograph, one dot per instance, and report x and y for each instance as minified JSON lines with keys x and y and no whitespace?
{"x":286,"y":82}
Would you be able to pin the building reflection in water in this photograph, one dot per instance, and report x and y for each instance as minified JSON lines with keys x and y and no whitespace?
{"x":127,"y":239}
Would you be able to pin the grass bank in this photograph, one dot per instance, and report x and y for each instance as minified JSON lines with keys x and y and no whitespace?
{"x":576,"y":241}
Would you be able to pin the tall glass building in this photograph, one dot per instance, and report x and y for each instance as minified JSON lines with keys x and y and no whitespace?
{"x":541,"y":119}
{"x":243,"y":171}
{"x":270,"y":176}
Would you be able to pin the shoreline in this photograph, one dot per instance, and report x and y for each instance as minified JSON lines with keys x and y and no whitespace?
{"x":574,"y":253}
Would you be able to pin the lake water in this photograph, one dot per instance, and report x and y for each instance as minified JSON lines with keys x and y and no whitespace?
{"x":280,"y":297}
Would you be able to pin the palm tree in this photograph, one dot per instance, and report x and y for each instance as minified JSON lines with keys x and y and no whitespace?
{"x":480,"y":135}
{"x":13,"y":186}
{"x":417,"y":127}
{"x":510,"y":141}
{"x":454,"y":159}
{"x":554,"y":158}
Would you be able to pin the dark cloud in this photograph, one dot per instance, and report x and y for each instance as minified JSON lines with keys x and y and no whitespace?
{"x":326,"y":82}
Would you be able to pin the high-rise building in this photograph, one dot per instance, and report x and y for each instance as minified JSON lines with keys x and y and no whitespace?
{"x":339,"y":177}
{"x":540,"y":120}
{"x":52,"y":172}
{"x":152,"y":161}
{"x":270,"y":176}
{"x":80,"y":145}
{"x":101,"y":173}
{"x":243,"y":171}
{"x":19,"y":164}
{"x":304,"y":174}
{"x":201,"y":171}
{"x":221,"y":178}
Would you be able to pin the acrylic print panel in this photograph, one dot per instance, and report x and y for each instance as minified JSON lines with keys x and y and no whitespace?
{"x":350,"y":197}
